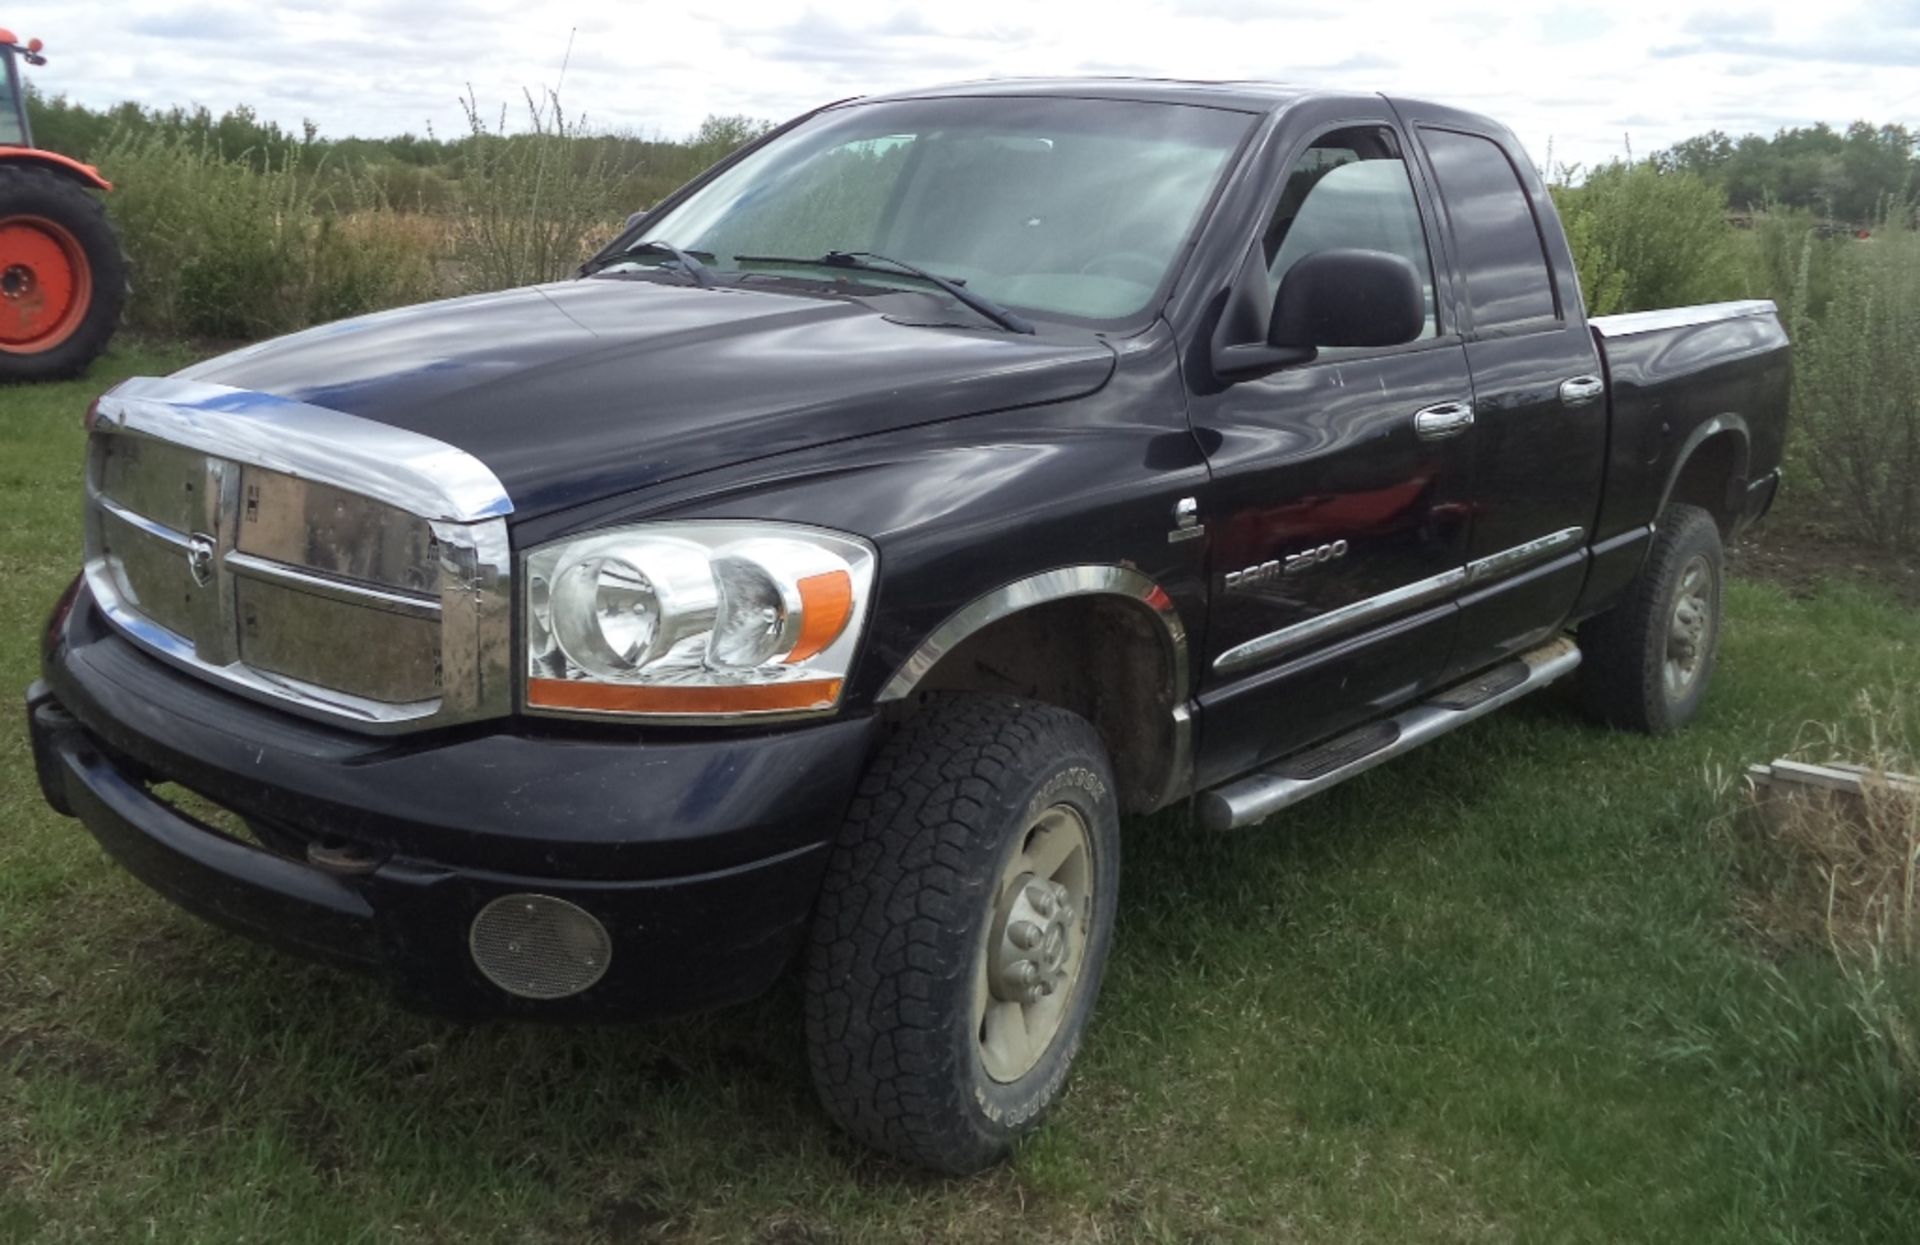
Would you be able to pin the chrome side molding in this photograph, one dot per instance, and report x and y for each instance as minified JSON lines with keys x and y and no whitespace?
{"x":1334,"y":622}
{"x":1405,"y":598}
{"x":1509,"y":560}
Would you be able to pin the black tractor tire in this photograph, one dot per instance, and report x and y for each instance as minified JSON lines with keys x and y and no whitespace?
{"x":31,"y":193}
{"x":1634,"y":656}
{"x":921,"y":895}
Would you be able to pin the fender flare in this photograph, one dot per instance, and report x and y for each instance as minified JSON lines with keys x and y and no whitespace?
{"x":1729,"y":422}
{"x":66,"y":166}
{"x":1023,"y":594}
{"x":1062,"y":583}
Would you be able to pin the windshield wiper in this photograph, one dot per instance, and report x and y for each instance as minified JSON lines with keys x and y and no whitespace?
{"x":869,"y":261}
{"x":688,"y":264}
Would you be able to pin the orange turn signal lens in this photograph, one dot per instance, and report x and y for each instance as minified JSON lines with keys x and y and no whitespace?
{"x":792,"y":697}
{"x":826,"y":603}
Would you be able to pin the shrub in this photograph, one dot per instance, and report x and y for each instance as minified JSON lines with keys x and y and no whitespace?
{"x":1857,"y":385}
{"x":223,"y":247}
{"x":1643,"y":238}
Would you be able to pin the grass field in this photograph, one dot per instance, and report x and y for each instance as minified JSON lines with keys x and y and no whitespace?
{"x":1493,"y":992}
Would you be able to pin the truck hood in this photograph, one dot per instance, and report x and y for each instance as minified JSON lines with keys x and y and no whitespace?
{"x":582,"y":390}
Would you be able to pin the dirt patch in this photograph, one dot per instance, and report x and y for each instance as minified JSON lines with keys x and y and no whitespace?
{"x":1801,"y":558}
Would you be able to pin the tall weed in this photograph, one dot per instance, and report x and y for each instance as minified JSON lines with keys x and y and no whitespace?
{"x":533,"y":205}
{"x":1790,"y":257}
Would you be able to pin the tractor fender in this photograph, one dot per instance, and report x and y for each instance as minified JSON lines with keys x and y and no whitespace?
{"x":66,"y":166}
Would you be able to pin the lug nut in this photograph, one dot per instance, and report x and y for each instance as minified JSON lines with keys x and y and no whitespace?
{"x":1042,"y":900}
{"x":1032,"y":994}
{"x":1024,"y":935}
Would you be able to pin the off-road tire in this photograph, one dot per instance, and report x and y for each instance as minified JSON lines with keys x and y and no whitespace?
{"x":1624,"y":651}
{"x":905,"y":917}
{"x":31,"y":191}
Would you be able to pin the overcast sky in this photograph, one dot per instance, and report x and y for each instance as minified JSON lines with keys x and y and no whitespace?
{"x":1584,"y":77}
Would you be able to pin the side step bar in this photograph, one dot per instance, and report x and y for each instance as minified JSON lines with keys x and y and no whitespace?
{"x":1259,"y":795}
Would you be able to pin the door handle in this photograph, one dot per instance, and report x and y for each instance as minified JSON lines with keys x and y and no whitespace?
{"x":1580,"y":390}
{"x":1445,"y":419}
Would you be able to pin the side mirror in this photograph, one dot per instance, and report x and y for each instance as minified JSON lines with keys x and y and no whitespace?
{"x":1348,"y":298}
{"x":1331,"y":298}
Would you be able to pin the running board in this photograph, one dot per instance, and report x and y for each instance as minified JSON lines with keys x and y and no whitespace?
{"x":1288,"y":781}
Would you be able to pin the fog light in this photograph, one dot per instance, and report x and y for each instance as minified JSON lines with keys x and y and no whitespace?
{"x":539,"y":947}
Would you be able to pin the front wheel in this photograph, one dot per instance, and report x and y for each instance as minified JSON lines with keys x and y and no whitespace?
{"x":1646,"y":662}
{"x":963,"y":929}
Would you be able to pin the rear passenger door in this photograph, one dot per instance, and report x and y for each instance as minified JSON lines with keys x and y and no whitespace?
{"x":1539,"y":434}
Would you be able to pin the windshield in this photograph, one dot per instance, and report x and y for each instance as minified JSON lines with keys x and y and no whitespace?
{"x":1066,"y":207}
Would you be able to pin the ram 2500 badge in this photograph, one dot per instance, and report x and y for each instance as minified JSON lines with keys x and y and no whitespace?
{"x":822,"y":574}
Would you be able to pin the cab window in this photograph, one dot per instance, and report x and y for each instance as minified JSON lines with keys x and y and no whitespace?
{"x":1350,"y":190}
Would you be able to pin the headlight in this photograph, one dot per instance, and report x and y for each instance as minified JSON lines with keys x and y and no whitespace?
{"x":695,"y":620}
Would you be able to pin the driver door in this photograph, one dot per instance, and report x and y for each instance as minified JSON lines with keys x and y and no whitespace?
{"x":1339,"y":499}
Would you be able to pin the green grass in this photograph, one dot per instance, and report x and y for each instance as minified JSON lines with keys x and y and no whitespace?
{"x":1495,"y":991}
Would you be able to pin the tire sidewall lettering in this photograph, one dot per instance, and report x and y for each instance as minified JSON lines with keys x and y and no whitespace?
{"x":1073,"y":778}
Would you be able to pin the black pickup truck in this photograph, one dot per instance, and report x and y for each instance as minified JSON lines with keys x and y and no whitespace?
{"x":822,"y":574}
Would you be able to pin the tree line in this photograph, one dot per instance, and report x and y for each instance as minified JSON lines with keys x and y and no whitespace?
{"x":408,"y":171}
{"x":1854,"y":175}
{"x":1851,"y":175}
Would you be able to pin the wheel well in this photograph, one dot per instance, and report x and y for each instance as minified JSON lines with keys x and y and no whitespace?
{"x":1714,"y":478}
{"x":1106,"y":658}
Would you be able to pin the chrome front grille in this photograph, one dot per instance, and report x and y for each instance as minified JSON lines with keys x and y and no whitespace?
{"x":342,"y":568}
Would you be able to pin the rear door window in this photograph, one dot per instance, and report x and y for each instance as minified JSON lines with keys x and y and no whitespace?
{"x":1501,"y":256}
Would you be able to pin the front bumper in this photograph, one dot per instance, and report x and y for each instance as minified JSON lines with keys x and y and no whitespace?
{"x":700,"y":855}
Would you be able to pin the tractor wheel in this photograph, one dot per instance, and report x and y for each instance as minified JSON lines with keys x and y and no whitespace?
{"x":63,"y":278}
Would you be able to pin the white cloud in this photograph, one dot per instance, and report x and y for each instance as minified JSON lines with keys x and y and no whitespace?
{"x":1581,"y":76}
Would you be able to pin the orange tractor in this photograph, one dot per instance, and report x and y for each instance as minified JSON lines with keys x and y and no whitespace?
{"x":63,"y":276}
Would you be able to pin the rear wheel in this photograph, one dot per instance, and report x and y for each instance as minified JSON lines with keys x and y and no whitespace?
{"x":962,"y":930}
{"x":1646,"y":662}
{"x":63,"y":279}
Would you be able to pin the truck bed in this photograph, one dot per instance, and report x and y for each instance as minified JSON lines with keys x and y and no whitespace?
{"x":1676,"y":377}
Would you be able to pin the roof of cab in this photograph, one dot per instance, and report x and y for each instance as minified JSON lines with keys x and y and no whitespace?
{"x":1244,"y":96}
{"x":1241,"y":96}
